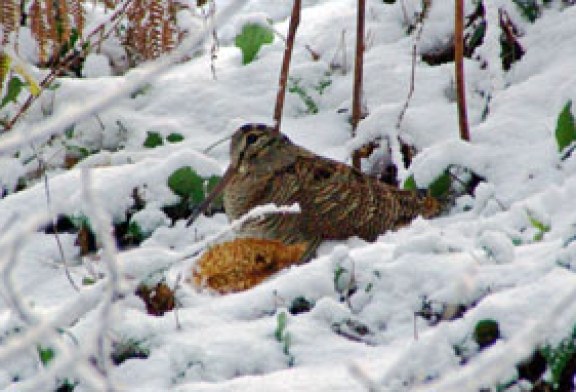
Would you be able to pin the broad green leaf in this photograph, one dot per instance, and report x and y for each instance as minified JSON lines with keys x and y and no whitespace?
{"x":565,"y":127}
{"x":174,"y":138}
{"x":441,"y":185}
{"x":410,"y":183}
{"x":154,"y":139}
{"x":251,"y":39}
{"x":486,"y":332}
{"x":528,"y":8}
{"x":14,"y":88}
{"x":135,"y":232}
{"x":33,"y":86}
{"x":559,"y":357}
{"x":186,"y":183}
{"x":46,"y":354}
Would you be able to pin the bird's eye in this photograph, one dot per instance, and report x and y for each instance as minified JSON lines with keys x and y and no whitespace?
{"x":251,"y":138}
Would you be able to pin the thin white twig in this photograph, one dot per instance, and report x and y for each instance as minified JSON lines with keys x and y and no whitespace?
{"x":255,"y":213}
{"x":102,"y":224}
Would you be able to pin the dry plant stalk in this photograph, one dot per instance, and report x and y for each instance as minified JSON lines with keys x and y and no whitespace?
{"x":294,"y":22}
{"x":358,"y":76}
{"x":243,"y":263}
{"x":459,"y":65}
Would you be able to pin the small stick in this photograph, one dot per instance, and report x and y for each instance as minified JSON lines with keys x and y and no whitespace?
{"x":358,"y":76}
{"x":294,"y":21}
{"x":459,"y":64}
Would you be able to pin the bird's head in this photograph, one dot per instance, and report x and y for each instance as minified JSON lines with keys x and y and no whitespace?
{"x":252,"y":143}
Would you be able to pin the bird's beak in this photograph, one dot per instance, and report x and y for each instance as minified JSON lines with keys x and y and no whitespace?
{"x":200,"y":208}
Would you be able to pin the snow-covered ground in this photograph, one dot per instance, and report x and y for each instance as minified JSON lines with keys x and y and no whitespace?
{"x":507,"y":254}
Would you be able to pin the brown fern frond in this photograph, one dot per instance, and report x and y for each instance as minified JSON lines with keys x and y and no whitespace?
{"x":62,"y":17}
{"x":50,"y":27}
{"x":9,"y":18}
{"x":167,"y":36}
{"x":4,"y":68}
{"x":39,"y":31}
{"x":152,"y":28}
{"x":77,"y":15}
{"x":155,"y":28}
{"x":110,"y":4}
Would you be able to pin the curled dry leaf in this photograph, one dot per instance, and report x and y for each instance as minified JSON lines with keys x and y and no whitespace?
{"x":159,"y":299}
{"x":243,"y":263}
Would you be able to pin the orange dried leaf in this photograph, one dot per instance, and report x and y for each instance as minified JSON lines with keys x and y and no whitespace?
{"x":243,"y":263}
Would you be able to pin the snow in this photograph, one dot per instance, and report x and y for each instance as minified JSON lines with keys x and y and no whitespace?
{"x":485,"y":253}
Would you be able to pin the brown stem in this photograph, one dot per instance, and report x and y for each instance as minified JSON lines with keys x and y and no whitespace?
{"x":459,"y":63}
{"x":358,"y":71}
{"x":294,"y":21}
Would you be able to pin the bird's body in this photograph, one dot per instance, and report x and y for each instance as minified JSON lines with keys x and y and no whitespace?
{"x":336,"y":200}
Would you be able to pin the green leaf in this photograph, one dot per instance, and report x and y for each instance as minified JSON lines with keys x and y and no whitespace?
{"x":410,"y":183}
{"x":441,"y":185}
{"x":287,"y":343}
{"x":281,"y":322}
{"x":186,"y":183}
{"x":135,"y":232}
{"x":558,"y":357}
{"x":295,"y":88}
{"x":14,"y":87}
{"x":565,"y":127}
{"x":128,"y":348}
{"x":80,"y":221}
{"x":538,"y":225}
{"x":174,"y":138}
{"x":88,"y":281}
{"x":154,"y":139}
{"x":251,"y":39}
{"x":46,"y":354}
{"x":486,"y":333}
{"x":528,"y":8}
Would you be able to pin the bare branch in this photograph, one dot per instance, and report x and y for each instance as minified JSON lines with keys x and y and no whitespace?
{"x":358,"y":76}
{"x":459,"y":64}
{"x":294,"y":21}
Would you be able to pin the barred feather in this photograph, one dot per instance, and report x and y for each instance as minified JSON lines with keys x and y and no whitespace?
{"x":336,"y":200}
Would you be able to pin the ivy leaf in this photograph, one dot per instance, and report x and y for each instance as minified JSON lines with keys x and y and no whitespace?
{"x":174,"y":138}
{"x":14,"y":87}
{"x":565,"y":127}
{"x":186,"y":183}
{"x":486,"y":332}
{"x":153,"y":140}
{"x":441,"y":185}
{"x":251,"y":39}
{"x":410,"y":183}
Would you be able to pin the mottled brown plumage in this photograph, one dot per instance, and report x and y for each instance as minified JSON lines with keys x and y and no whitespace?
{"x":336,"y":200}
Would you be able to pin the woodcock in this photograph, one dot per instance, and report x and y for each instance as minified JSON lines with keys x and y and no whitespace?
{"x":336,"y":200}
